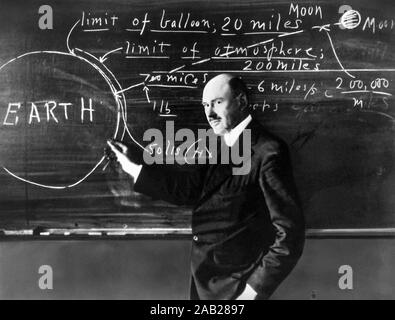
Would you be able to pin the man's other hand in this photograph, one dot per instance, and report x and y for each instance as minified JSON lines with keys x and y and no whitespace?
{"x":247,"y":294}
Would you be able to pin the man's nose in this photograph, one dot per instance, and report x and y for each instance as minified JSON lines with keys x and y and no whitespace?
{"x":211,"y":114}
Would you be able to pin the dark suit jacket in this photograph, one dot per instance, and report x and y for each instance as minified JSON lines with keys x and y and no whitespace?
{"x":246,"y":228}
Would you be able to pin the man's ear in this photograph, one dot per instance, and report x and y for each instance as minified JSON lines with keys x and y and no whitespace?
{"x":243,"y":101}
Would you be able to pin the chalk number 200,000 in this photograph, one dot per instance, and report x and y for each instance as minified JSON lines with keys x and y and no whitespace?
{"x":378,"y":83}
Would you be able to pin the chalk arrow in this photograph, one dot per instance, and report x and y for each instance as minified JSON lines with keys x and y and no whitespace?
{"x":68,"y":38}
{"x":128,"y":88}
{"x":104,"y":57}
{"x":325,"y":27}
{"x":337,"y":57}
{"x":146,"y":89}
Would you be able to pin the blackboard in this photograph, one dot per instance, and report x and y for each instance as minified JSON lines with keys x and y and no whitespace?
{"x":320,"y":76}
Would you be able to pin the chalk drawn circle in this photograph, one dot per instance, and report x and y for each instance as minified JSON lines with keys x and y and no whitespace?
{"x":63,"y":109}
{"x":351,"y":19}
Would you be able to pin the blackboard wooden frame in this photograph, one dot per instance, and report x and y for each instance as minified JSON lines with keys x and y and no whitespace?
{"x":172,"y":233}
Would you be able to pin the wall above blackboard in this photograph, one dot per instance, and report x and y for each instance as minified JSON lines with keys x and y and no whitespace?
{"x":320,"y":75}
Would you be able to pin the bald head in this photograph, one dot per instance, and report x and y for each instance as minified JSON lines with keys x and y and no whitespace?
{"x":227,"y":80}
{"x":219,"y":82}
{"x":225,"y":102}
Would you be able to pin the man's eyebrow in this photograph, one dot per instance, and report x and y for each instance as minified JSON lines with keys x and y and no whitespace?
{"x":217,"y":98}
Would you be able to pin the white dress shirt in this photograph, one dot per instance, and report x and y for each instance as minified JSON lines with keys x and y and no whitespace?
{"x":232,"y":136}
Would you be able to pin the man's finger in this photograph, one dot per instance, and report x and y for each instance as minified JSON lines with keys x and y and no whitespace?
{"x":114,"y":148}
{"x":121,"y":146}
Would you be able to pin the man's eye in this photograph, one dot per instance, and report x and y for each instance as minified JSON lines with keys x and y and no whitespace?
{"x":218,"y":101}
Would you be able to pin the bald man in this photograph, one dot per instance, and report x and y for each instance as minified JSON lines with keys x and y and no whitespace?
{"x":248,"y":230}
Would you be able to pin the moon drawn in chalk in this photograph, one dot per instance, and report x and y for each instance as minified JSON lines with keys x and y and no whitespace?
{"x":350,"y":19}
{"x":57,"y":110}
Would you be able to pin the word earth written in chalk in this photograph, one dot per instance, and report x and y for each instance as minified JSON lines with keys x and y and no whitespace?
{"x":47,"y":111}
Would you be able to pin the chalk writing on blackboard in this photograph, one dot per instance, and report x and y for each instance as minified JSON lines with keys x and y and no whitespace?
{"x":250,"y":46}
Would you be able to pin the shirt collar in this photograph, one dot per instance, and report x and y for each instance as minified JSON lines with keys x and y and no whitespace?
{"x":232,"y":136}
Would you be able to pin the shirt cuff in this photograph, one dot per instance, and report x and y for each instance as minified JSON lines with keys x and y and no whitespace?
{"x":250,"y":291}
{"x":134,"y":170}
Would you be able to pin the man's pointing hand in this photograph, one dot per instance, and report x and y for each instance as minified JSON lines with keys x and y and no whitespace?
{"x":124,"y":157}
